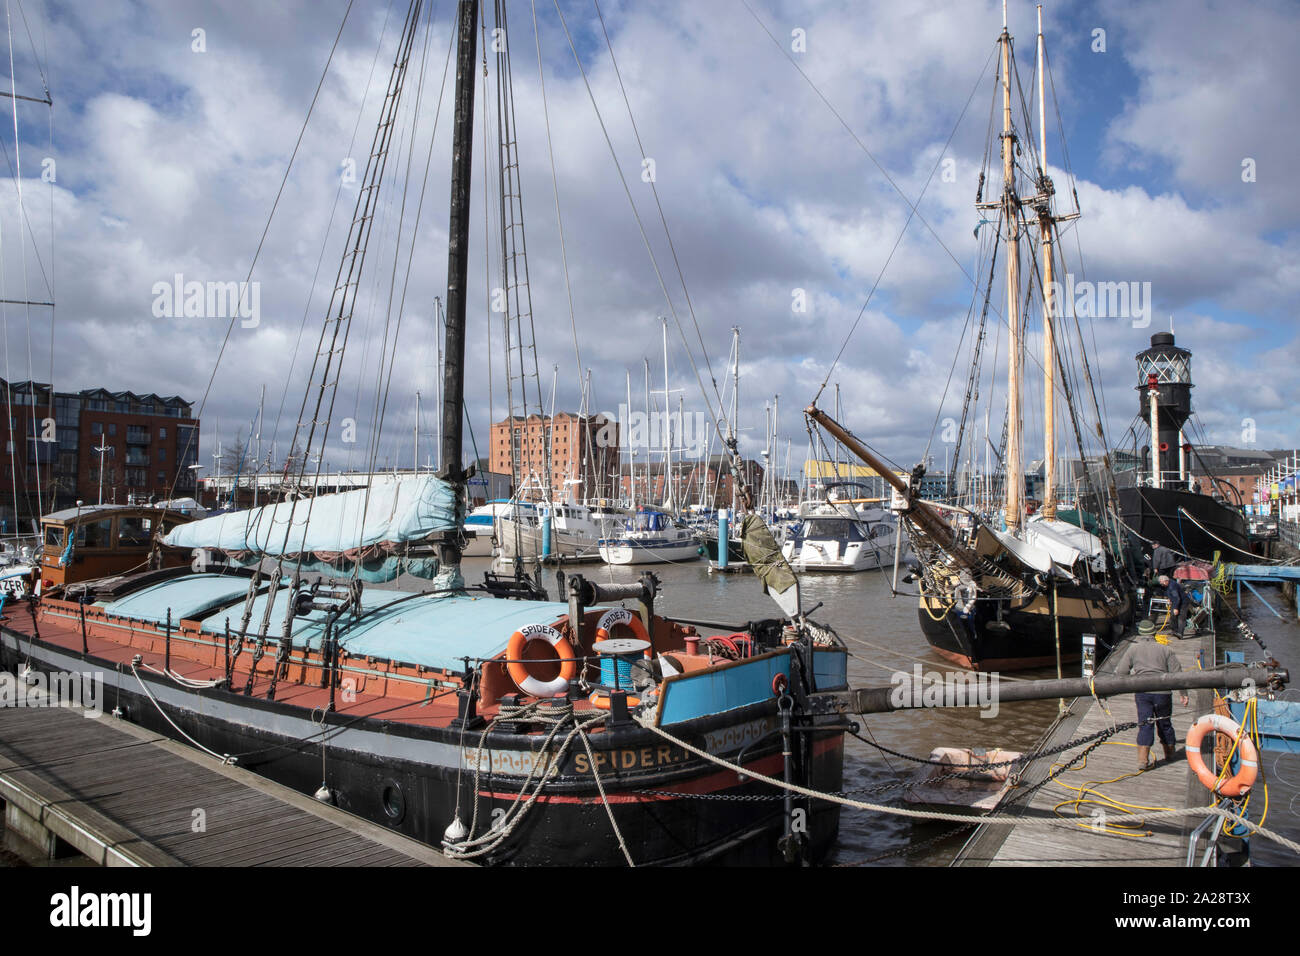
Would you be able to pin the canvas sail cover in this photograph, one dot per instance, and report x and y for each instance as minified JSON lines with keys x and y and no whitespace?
{"x":359,"y":524}
{"x":764,"y":557}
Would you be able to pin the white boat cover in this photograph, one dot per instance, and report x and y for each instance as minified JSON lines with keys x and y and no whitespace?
{"x":1066,"y":542}
{"x":343,"y":524}
{"x":1027,"y":553}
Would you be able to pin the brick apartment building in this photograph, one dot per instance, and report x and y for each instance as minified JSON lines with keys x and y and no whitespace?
{"x":583,"y":453}
{"x":52,"y":441}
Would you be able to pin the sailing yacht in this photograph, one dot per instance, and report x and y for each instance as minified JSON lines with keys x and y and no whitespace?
{"x":651,"y":537}
{"x":1015,"y":589}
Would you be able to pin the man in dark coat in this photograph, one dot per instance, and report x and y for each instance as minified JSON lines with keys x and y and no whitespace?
{"x":1177,"y":603}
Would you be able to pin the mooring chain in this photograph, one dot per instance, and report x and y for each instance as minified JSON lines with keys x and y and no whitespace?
{"x":1024,"y":758}
{"x":1099,"y":737}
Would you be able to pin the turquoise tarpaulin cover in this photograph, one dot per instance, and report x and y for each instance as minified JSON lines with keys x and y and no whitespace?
{"x":382,"y":517}
{"x":430,"y":629}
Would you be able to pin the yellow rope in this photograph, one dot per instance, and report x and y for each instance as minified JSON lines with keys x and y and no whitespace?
{"x":1250,"y":725}
{"x":926,"y":605}
{"x":1089,"y":795}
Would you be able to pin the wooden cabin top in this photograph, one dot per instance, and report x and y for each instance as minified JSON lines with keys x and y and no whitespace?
{"x":106,"y":539}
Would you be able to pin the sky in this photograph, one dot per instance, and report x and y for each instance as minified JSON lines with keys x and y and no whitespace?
{"x":788,"y":141}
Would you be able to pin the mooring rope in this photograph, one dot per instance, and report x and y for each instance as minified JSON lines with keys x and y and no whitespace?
{"x":955,"y":817}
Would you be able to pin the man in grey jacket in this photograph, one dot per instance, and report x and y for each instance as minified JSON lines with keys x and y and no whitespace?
{"x":1152,"y":655}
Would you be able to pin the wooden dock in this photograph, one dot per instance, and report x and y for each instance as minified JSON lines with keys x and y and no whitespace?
{"x":1110,"y":777}
{"x":124,"y":796}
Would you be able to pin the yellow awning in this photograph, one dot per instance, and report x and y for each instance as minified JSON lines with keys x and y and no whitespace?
{"x":844,"y":471}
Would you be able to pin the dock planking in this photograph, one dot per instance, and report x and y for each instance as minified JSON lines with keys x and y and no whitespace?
{"x":127,"y":797}
{"x":1110,"y":771}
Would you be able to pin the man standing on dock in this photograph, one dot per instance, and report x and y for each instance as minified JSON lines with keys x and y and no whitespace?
{"x":1177,"y":603}
{"x":1150,"y":654}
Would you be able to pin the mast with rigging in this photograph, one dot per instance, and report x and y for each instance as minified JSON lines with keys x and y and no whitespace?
{"x":453,"y":397}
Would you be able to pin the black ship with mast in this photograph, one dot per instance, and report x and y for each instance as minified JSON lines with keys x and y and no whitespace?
{"x":1162,"y":505}
{"x":1017,"y":586}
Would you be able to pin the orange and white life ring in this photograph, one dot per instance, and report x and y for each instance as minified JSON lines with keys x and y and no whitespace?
{"x":518,"y":667}
{"x":1240,"y":783}
{"x":616,"y":616}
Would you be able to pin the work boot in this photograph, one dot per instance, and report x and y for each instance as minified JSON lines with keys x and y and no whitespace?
{"x":1144,"y":758}
{"x":1169,"y":751}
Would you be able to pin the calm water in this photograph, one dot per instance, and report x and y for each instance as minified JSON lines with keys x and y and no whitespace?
{"x":883,"y":636}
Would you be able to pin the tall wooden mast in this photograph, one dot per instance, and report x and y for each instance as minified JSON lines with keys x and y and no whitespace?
{"x":1011,"y":215}
{"x":453,"y":403}
{"x":1046,"y":239}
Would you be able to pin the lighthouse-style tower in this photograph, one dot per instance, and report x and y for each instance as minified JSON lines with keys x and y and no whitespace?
{"x":1165,"y":394}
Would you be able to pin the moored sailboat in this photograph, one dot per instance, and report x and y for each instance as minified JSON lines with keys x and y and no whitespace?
{"x":1015,"y":589}
{"x":481,"y":717}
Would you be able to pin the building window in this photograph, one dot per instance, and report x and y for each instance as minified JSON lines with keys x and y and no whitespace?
{"x":97,"y":428}
{"x":162,"y":434}
{"x":112,"y":428}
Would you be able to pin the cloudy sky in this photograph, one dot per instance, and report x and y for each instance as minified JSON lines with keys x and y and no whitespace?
{"x":174,"y":122}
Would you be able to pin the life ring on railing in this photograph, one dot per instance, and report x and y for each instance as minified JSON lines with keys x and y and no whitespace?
{"x":600,"y":700}
{"x":620,"y":615}
{"x":1240,"y":783}
{"x":518,"y":667}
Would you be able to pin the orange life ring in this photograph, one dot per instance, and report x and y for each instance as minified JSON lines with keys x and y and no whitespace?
{"x":620,"y":615}
{"x":1240,"y":783}
{"x":518,"y":667}
{"x":600,"y":700}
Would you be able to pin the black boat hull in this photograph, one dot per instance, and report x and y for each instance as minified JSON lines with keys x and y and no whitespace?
{"x":672,"y":808}
{"x":735,"y":549}
{"x":1027,"y":635}
{"x":1186,"y":522}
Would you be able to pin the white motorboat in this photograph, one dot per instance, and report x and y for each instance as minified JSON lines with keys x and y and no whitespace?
{"x":842,"y":536}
